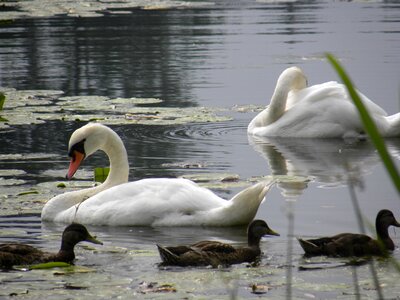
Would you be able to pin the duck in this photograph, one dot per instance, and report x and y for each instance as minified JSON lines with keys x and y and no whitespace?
{"x":319,"y":111}
{"x":145,"y":202}
{"x":21,"y":254}
{"x":215,"y":253}
{"x":353,"y":244}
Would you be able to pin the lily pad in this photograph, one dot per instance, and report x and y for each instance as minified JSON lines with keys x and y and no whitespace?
{"x":25,"y":157}
{"x":10,"y":182}
{"x":49,"y":265}
{"x":88,"y":8}
{"x":11,"y":172}
{"x":35,"y":107}
{"x":212,"y":177}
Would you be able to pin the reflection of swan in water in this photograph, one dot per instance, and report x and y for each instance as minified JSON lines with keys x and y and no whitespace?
{"x":327,"y":161}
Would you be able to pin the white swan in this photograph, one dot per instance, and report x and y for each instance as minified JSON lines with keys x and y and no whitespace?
{"x":154,"y":202}
{"x":319,"y":111}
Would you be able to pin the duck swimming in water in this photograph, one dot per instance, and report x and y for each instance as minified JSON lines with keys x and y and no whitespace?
{"x":19,"y":254}
{"x":146,"y":202}
{"x":352,"y":244}
{"x":216,"y":253}
{"x":319,"y":111}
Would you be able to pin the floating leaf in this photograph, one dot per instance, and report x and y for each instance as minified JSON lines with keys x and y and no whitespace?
{"x":49,"y":265}
{"x":259,"y":289}
{"x":100,"y":174}
{"x":71,"y":269}
{"x":11,"y":172}
{"x":28,"y":193}
{"x":153,"y":287}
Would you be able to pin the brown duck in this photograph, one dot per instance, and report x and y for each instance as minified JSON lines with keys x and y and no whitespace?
{"x":215,"y":253}
{"x":20,"y":254}
{"x":352,"y":244}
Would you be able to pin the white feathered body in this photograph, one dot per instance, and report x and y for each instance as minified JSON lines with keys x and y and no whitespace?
{"x":160,"y":202}
{"x":323,"y":111}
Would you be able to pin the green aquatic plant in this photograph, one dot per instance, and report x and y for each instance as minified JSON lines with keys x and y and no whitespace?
{"x":49,"y":265}
{"x":100,"y":174}
{"x":369,"y":124}
{"x":2,"y":100}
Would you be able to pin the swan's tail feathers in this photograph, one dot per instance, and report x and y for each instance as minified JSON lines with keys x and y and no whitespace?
{"x":394,"y":126}
{"x":242,"y":208}
{"x":167,"y":257}
{"x":309,"y":247}
{"x":255,"y":192}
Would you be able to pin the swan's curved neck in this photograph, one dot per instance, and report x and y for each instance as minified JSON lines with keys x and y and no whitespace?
{"x":290,"y":80}
{"x":112,"y":145}
{"x":119,"y":165}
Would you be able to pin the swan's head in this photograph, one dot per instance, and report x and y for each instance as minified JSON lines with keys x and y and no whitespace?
{"x":294,"y":78}
{"x":83,"y":143}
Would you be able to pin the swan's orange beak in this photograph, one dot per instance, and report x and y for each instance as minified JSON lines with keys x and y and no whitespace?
{"x":76,"y":160}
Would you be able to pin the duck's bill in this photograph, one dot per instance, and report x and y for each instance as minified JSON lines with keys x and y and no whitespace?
{"x":397,"y":224}
{"x":272,"y":232}
{"x":92,"y":239}
{"x":76,"y":160}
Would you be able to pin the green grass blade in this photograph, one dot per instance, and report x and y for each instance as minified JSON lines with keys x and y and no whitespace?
{"x":369,"y":124}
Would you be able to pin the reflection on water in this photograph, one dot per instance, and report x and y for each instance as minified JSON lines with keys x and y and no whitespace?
{"x":327,"y":161}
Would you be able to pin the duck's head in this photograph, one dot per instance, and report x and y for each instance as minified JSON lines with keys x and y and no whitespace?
{"x":386,"y":218}
{"x":258,"y":228}
{"x":83,"y":143}
{"x":75,"y":233}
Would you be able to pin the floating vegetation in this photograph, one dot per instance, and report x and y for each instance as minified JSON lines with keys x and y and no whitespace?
{"x":26,"y":156}
{"x":36,"y":107}
{"x":11,"y":182}
{"x":100,"y":174}
{"x":49,"y":265}
{"x":154,"y":287}
{"x":88,"y":8}
{"x":11,"y":172}
{"x":28,"y":192}
{"x":2,"y":100}
{"x":212,"y":177}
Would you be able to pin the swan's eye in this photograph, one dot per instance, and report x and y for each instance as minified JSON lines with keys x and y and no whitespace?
{"x":79,"y":147}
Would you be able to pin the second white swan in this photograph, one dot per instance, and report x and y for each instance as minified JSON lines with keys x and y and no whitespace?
{"x":319,"y":111}
{"x":146,"y":202}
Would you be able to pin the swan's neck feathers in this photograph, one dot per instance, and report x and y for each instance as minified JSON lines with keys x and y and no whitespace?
{"x":66,"y":200}
{"x":119,"y":165}
{"x":393,"y":125}
{"x":292,"y":79}
{"x":113,"y":146}
{"x":242,"y":208}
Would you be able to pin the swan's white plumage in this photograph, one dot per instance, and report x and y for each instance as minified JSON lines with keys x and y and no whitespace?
{"x":154,"y":202}
{"x":319,"y":111}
